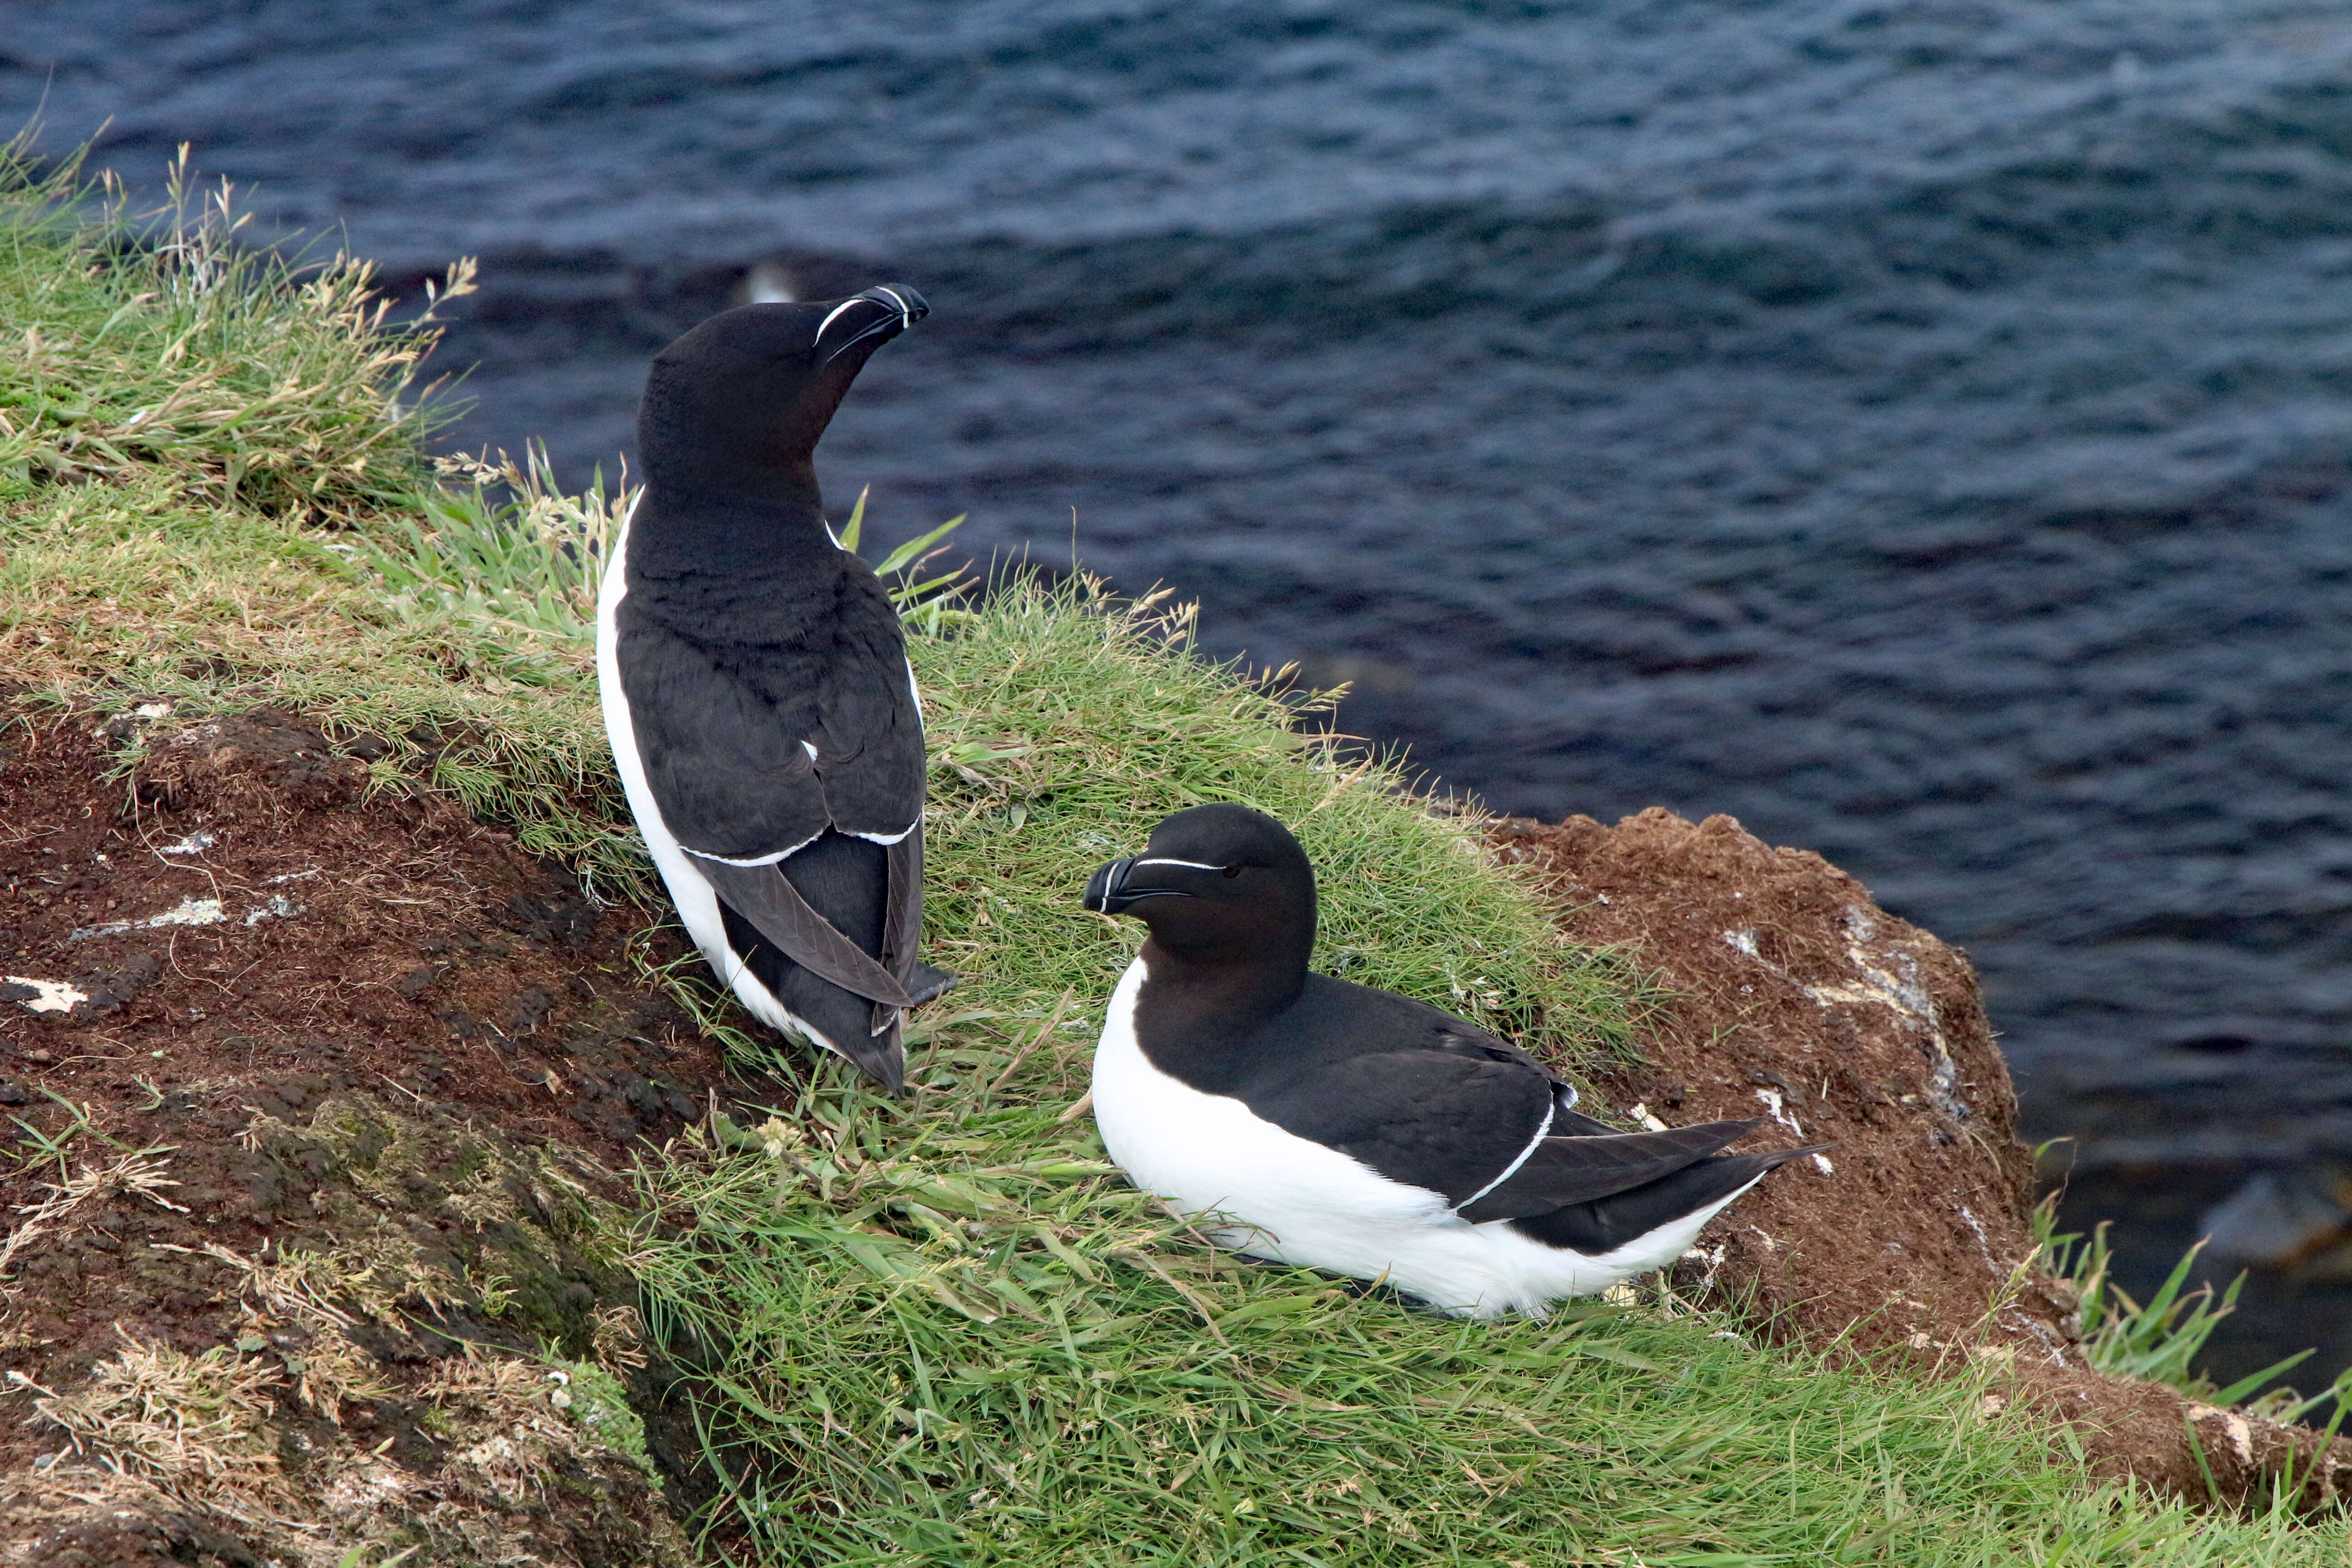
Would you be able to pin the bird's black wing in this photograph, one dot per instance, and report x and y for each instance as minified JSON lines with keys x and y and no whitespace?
{"x":766,"y":897}
{"x":1459,"y":1038}
{"x":1337,"y":1018}
{"x":1429,"y":1119}
{"x":1604,"y":1225}
{"x":725,"y":720}
{"x":902,"y":925}
{"x":1419,"y":1095}
{"x":1455,"y":1125}
{"x":1577,"y":1170}
{"x":725,"y":766}
{"x":757,"y":745}
{"x":869,"y":740}
{"x":1583,"y":1160}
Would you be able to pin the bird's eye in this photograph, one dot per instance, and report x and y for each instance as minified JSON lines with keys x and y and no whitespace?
{"x":1233,"y":870}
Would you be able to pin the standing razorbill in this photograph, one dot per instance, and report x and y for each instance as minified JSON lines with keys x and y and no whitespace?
{"x":1357,"y":1130}
{"x":755,"y":682}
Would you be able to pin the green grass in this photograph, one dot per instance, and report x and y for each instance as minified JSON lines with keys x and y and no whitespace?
{"x":157,"y":346}
{"x":129,"y":590}
{"x":939,"y":1331}
{"x":202,"y":553}
{"x":942,"y":1333}
{"x":2159,"y":1339}
{"x":1083,"y":724}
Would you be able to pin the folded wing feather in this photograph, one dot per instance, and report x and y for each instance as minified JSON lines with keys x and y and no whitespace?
{"x":1565,"y":1171}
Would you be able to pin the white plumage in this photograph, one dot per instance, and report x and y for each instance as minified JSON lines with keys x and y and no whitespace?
{"x":1313,"y":1205}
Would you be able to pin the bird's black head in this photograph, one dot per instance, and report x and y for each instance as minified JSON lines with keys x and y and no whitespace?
{"x":736,"y":406}
{"x":1218,"y":884}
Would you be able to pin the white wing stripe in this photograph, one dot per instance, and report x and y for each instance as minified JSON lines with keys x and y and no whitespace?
{"x":758,"y":859}
{"x":1512,"y":1168}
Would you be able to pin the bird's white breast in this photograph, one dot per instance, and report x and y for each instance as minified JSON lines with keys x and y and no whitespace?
{"x":1209,"y":1153}
{"x":1288,"y":1198}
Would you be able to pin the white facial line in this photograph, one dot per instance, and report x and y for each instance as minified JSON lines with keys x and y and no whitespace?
{"x":1512,"y":1168}
{"x":1188,"y":865}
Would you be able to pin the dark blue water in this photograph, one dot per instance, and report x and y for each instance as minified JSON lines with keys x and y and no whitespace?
{"x":1923,"y":430}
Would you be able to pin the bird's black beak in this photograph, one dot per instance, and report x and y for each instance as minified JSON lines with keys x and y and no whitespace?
{"x":1109,"y":891}
{"x":882,"y":311}
{"x":1105,"y":884}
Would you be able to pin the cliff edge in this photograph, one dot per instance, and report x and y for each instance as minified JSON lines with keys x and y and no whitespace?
{"x":1785,"y":992}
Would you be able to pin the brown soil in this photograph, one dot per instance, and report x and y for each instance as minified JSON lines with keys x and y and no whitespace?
{"x":369,"y":1030}
{"x":1792,"y":996}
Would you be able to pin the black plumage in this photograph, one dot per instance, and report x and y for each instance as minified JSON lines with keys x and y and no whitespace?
{"x":1224,"y":1006}
{"x":756,"y":684}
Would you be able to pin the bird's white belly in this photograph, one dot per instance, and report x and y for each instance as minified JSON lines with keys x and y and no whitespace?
{"x":1288,"y":1198}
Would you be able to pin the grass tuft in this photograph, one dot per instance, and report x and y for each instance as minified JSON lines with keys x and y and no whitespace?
{"x":156,"y":344}
{"x":2161,"y":1340}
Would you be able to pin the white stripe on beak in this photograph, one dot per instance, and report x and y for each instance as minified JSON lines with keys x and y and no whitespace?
{"x":837,"y":311}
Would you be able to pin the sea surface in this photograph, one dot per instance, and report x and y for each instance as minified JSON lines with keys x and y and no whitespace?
{"x":1922,"y":430}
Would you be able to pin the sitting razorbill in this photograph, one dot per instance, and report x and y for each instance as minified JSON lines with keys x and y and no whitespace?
{"x":756,"y":689}
{"x":1333,"y":1126}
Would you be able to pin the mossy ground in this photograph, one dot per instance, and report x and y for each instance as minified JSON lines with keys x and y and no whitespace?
{"x":939,"y":1331}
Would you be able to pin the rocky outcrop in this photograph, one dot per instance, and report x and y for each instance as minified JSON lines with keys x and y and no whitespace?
{"x":1786,"y":992}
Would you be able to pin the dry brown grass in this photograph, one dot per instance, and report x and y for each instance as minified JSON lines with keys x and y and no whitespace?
{"x":198,"y":1426}
{"x":139,"y":1173}
{"x":160,"y":1437}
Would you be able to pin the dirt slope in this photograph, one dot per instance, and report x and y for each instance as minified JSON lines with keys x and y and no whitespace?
{"x":316,"y":1096}
{"x":1793,"y":996}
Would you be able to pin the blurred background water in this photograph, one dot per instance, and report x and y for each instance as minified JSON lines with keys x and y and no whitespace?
{"x":1921,"y":428}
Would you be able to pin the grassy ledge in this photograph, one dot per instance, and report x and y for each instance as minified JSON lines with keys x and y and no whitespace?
{"x":940,"y":1331}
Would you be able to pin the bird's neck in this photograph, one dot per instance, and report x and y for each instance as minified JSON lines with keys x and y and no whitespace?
{"x":740,"y":524}
{"x":1208,"y":992}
